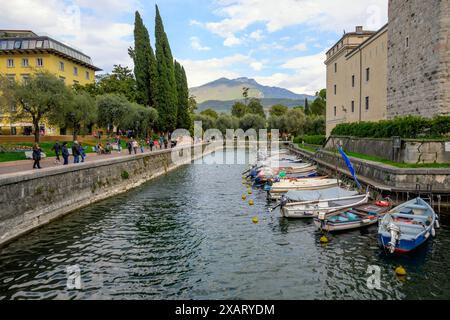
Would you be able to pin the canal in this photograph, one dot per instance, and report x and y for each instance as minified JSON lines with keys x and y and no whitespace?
{"x":189,"y":235}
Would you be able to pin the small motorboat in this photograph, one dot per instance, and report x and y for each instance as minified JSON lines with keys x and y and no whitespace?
{"x":309,"y":204}
{"x":407,"y":226}
{"x":355,"y":217}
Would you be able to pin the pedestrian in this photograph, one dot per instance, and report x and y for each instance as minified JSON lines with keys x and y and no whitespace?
{"x":135,"y":145}
{"x":76,"y":152}
{"x":37,"y":154}
{"x":165,"y":143}
{"x":82,"y":152}
{"x":161,"y":141}
{"x":129,"y":146}
{"x":65,"y":153}
{"x":152,"y":143}
{"x":142,"y":144}
{"x":119,"y":144}
{"x":57,"y":148}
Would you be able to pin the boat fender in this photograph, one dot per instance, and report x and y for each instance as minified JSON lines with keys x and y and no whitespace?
{"x":400,"y":271}
{"x":365,"y":221}
{"x":322,"y":216}
{"x":437,"y":224}
{"x":323,"y":239}
{"x":433,"y":232}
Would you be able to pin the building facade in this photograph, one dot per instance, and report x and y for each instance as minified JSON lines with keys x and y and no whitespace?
{"x":23,"y":53}
{"x":357,"y":78}
{"x":402,"y":69}
{"x":419,"y":58}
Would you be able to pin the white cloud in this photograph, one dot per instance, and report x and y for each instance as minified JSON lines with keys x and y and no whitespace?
{"x":303,"y":75}
{"x":232,"y":41}
{"x":257,"y":66}
{"x":300,"y":47}
{"x":194,"y":22}
{"x":323,"y":15}
{"x":257,"y":35}
{"x":79,"y":24}
{"x":196,"y":45}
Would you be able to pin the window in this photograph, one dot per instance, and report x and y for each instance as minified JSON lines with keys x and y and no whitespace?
{"x":75,"y":71}
{"x":353,"y":81}
{"x":13,"y":131}
{"x":61,"y":66}
{"x":25,"y":62}
{"x":10,"y":63}
{"x":75,"y":82}
{"x":353,"y":106}
{"x":39,"y":62}
{"x":11,"y":77}
{"x":17,"y":45}
{"x":335,"y":67}
{"x":87,"y":75}
{"x":63,"y":79}
{"x":367,"y":103}
{"x":335,"y":111}
{"x":39,"y":44}
{"x":335,"y":89}
{"x":25,"y":77}
{"x":367,"y":74}
{"x":13,"y":107}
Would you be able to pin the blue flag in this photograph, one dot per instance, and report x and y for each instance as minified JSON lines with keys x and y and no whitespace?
{"x":349,"y":165}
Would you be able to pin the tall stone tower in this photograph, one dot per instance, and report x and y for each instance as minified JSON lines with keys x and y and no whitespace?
{"x":418,"y":58}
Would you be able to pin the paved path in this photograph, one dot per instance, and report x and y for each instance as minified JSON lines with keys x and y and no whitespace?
{"x":27,"y":165}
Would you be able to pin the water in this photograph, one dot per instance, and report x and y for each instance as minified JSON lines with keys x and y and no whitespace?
{"x":189,"y":235}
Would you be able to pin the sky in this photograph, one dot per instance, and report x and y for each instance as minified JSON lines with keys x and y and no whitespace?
{"x":276,"y":42}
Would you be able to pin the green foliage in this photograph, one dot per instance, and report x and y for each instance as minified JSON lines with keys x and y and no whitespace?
{"x":36,"y":98}
{"x":314,"y":140}
{"x":319,"y":105}
{"x":207,"y":121}
{"x":252,"y":121}
{"x":315,"y":125}
{"x":238,"y":110}
{"x":405,"y":127}
{"x":125,"y":175}
{"x":210,"y":112}
{"x":225,"y":121}
{"x":112,"y":109}
{"x":255,"y":107}
{"x":144,"y":64}
{"x":167,"y":89}
{"x":183,"y":112}
{"x":278,"y":110}
{"x":139,"y":118}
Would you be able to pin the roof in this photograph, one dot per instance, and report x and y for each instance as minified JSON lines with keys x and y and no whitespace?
{"x":22,"y":41}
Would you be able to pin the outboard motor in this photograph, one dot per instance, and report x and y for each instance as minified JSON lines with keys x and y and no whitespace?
{"x":395,"y":236}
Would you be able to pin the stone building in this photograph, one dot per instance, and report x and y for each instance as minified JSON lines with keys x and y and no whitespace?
{"x":401,"y":69}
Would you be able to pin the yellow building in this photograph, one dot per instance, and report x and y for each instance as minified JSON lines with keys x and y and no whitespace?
{"x":357,"y":78}
{"x":24,"y":52}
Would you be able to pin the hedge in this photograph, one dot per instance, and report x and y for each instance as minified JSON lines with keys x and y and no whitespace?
{"x":315,"y":140}
{"x":405,"y":127}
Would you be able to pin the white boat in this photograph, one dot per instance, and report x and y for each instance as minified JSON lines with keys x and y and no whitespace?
{"x":309,"y":204}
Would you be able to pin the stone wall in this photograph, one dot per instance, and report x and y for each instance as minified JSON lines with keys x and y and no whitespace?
{"x":31,"y":199}
{"x":412,"y":151}
{"x":418,"y":58}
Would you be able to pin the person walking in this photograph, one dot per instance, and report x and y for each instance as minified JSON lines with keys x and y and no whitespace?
{"x":142,"y":145}
{"x":37,"y":154}
{"x":57,"y":148}
{"x":119,"y":144}
{"x":65,"y":153}
{"x":151,"y":144}
{"x":129,"y":146}
{"x":165,"y":143}
{"x":135,"y":145}
{"x":76,"y":152}
{"x":82,"y":152}
{"x":161,"y":141}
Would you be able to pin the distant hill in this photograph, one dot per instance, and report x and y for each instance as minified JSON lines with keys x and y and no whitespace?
{"x":225,"y":106}
{"x":229,"y":91}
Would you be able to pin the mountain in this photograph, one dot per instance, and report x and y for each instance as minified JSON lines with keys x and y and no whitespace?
{"x":227,"y":90}
{"x":225,"y":106}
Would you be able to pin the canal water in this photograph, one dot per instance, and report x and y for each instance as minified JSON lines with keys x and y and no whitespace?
{"x":189,"y":235}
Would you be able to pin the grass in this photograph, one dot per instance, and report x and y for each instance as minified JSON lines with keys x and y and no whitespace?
{"x":308,"y":148}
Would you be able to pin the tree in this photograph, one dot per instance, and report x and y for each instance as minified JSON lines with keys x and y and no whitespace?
{"x":112,"y":109}
{"x":207,"y":121}
{"x":183,"y":116}
{"x":318,"y":107}
{"x":167,"y":89}
{"x":145,"y":69}
{"x":139,"y":119}
{"x":225,"y":121}
{"x":78,"y":113}
{"x":239,"y":109}
{"x":255,"y":107}
{"x":252,"y":121}
{"x":295,"y":121}
{"x":192,"y":104}
{"x":245,"y":91}
{"x":278,"y":110}
{"x":210,"y":112}
{"x":307,"y":111}
{"x":36,"y":98}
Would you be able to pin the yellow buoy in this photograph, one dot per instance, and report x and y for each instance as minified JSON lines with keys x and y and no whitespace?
{"x":250,"y":192}
{"x":255,"y":220}
{"x":400,"y":271}
{"x":244,"y":197}
{"x":251,"y":202}
{"x":323,"y":239}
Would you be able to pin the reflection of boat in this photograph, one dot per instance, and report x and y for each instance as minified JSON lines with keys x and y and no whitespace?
{"x":309,"y":204}
{"x":407,"y":226}
{"x":354,"y":217}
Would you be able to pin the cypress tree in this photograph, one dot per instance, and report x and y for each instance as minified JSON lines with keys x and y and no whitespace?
{"x":166,"y":99}
{"x":183,"y":117}
{"x":306,"y":106}
{"x":144,"y":64}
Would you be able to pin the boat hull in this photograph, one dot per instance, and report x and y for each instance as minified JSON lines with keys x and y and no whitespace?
{"x":336,"y":227}
{"x":403,"y":245}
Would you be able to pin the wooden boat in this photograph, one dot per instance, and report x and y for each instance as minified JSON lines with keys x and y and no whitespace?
{"x":276,"y":191}
{"x":316,"y":202}
{"x":354,"y":217}
{"x":407,"y":226}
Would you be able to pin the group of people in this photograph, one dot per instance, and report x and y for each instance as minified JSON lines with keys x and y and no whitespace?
{"x":78,"y":153}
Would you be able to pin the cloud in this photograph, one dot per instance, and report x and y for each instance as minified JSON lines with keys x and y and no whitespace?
{"x":232,"y":41}
{"x":89,"y":26}
{"x":305,"y":74}
{"x":196,"y":45}
{"x":194,"y":22}
{"x":257,"y":66}
{"x":257,"y":35}
{"x":300,"y":47}
{"x":322,"y":15}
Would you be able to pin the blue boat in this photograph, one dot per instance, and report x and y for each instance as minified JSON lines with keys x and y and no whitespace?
{"x":407,"y":226}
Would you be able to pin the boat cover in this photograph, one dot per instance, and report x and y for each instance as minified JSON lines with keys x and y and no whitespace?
{"x":311,"y":195}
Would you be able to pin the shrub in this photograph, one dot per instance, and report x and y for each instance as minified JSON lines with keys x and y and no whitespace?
{"x":315,"y":140}
{"x":405,"y":127}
